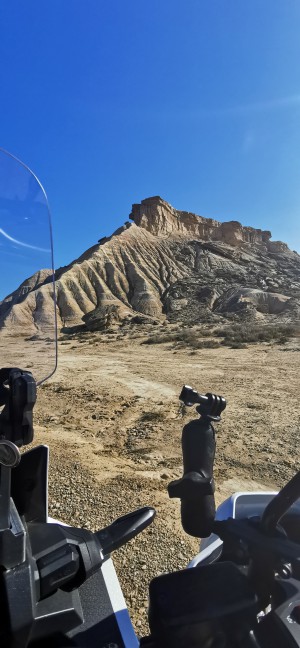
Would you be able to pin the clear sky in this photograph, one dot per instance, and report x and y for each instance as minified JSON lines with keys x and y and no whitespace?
{"x":111,"y":101}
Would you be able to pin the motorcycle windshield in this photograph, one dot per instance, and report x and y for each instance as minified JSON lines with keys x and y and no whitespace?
{"x":27,"y":295}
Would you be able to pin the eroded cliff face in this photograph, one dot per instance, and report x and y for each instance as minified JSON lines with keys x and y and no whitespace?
{"x":161,"y":219}
{"x":167,"y":265}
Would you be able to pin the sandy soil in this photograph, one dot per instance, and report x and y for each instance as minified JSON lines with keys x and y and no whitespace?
{"x":115,"y":403}
{"x":112,"y":419}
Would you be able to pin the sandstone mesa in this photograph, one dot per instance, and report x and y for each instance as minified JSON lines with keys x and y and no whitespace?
{"x":164,"y":266}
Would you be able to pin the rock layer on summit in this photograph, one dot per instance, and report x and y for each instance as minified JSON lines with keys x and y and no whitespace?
{"x":159,"y":218}
{"x":166,"y":265}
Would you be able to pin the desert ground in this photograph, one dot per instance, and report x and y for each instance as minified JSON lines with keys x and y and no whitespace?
{"x":113,"y":421}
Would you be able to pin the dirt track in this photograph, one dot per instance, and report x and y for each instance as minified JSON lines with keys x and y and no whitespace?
{"x":122,"y":396}
{"x":112,"y":419}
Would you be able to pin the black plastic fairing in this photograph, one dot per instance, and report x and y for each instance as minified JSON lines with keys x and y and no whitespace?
{"x":29,"y":481}
{"x":195,"y":606}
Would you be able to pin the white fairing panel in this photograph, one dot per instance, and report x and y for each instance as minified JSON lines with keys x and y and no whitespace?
{"x":116,"y":599}
{"x":228,"y":509}
{"x":118,"y":604}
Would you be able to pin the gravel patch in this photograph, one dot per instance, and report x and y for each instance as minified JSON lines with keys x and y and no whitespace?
{"x":79,"y":500}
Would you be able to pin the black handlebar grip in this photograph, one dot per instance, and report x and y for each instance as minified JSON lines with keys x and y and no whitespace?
{"x":196,"y":488}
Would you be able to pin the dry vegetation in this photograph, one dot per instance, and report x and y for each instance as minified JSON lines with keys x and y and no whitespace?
{"x":233,"y":335}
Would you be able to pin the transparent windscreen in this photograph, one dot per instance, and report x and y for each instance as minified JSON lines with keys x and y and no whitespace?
{"x":27,"y":299}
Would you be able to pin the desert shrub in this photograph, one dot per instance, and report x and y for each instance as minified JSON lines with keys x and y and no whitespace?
{"x":207,"y":332}
{"x":184,"y":338}
{"x":254,"y":333}
{"x":159,"y":338}
{"x":283,"y":340}
{"x":236,"y":336}
{"x":198,"y":344}
{"x":211,"y":344}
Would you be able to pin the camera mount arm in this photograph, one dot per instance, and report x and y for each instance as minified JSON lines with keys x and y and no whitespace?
{"x":196,"y":487}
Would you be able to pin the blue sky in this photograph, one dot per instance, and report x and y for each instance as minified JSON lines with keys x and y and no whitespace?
{"x":195,"y":100}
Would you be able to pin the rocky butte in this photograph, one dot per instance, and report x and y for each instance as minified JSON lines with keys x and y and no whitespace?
{"x":165,"y":265}
{"x":159,"y":218}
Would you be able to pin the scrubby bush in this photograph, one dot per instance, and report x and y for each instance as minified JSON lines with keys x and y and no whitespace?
{"x":238,"y":334}
{"x":184,"y":338}
{"x":159,"y":338}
